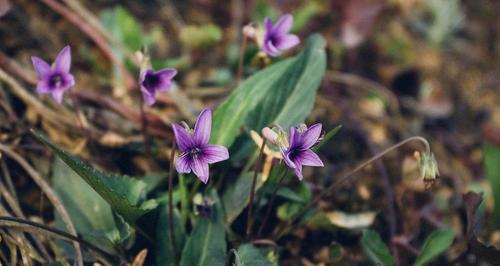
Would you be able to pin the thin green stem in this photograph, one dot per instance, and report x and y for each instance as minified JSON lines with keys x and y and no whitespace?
{"x":257,"y":166}
{"x":271,"y":201}
{"x":171,"y":204}
{"x":342,"y":180}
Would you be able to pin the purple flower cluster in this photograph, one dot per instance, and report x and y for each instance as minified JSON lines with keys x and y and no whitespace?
{"x":196,"y":152}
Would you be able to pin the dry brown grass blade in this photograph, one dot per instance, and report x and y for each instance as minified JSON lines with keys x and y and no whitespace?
{"x":140,"y":258}
{"x":47,"y":190}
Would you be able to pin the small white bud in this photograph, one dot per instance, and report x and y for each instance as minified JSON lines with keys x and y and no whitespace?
{"x":270,"y":135}
{"x":249,"y":31}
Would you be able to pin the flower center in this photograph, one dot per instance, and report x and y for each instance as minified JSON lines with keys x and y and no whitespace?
{"x":273,"y":39}
{"x":293,"y":154}
{"x":56,"y":81}
{"x":151,"y":82}
{"x":195,"y":152}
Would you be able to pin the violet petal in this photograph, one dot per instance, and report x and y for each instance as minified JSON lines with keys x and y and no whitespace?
{"x":284,"y":24}
{"x":63,"y":60}
{"x":42,"y":87}
{"x":268,"y":25}
{"x":42,"y":68}
{"x":203,"y":127}
{"x":287,"y":41}
{"x":182,"y":165}
{"x":287,"y":160}
{"x":165,"y":76}
{"x":58,"y":95}
{"x":149,"y":98}
{"x":298,"y":169}
{"x":270,"y":49}
{"x":182,"y":137}
{"x":310,"y":158}
{"x":200,"y":169}
{"x":311,"y":136}
{"x":215,"y":153}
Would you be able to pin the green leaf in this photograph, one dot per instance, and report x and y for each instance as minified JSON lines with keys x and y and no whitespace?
{"x":235,"y":199}
{"x":123,"y":193}
{"x":164,"y":254}
{"x":249,"y":255}
{"x":304,"y":14}
{"x":200,"y":37}
{"x":492,"y":171}
{"x":435,"y":244}
{"x":207,"y":243}
{"x":289,"y":194}
{"x":327,"y":137}
{"x":283,"y":93}
{"x":93,"y":218}
{"x":375,"y":248}
{"x":125,"y":28}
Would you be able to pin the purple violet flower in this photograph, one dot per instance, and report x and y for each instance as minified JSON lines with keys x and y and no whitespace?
{"x":276,"y":38}
{"x":196,"y":152}
{"x":151,"y":82}
{"x":54,"y":79}
{"x":299,"y":153}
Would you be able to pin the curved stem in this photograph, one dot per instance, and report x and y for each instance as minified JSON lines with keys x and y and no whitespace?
{"x":252,"y":191}
{"x":171,"y":204}
{"x":270,"y":206}
{"x":342,"y":180}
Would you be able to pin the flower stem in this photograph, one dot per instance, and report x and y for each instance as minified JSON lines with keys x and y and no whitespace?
{"x":252,"y":191}
{"x":342,"y":180}
{"x":271,"y":201}
{"x":171,"y":204}
{"x":144,"y":127}
{"x":239,"y":74}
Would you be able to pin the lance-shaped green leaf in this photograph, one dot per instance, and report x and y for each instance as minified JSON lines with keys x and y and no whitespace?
{"x":123,"y":193}
{"x":435,"y":244}
{"x":375,"y":248}
{"x":283,"y":93}
{"x":207,"y":243}
{"x":492,"y":172}
{"x":164,"y":249}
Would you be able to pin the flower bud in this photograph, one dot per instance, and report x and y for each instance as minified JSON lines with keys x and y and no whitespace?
{"x":428,"y":169}
{"x":270,"y":135}
{"x":249,"y":31}
{"x":282,"y":139}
